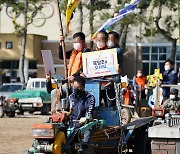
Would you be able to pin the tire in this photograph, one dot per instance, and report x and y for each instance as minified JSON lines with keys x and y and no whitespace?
{"x":21,"y":111}
{"x":11,"y":114}
{"x":45,"y":109}
{"x":1,"y":112}
{"x":31,"y":111}
{"x":126,"y":116}
{"x":60,"y":139}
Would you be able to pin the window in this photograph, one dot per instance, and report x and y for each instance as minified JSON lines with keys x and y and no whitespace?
{"x":43,"y":84}
{"x":32,"y":64}
{"x":158,"y":57}
{"x":10,"y":64}
{"x":9,"y":45}
{"x":37,"y":84}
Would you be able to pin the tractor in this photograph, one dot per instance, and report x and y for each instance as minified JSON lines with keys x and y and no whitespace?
{"x":110,"y":135}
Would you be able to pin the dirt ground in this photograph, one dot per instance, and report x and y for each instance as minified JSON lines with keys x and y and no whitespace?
{"x":16,"y":133}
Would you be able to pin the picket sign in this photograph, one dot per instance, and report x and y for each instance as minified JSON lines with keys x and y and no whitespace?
{"x":100,"y":63}
{"x":48,"y":62}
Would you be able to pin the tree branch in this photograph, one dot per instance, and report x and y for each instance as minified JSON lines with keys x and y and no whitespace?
{"x":160,"y":30}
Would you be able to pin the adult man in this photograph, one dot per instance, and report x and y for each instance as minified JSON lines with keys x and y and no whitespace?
{"x":169,"y":77}
{"x":113,"y":42}
{"x":107,"y":92}
{"x":139,"y":83}
{"x":75,"y":54}
{"x":172,"y":105}
{"x":101,"y":40}
{"x":81,"y":105}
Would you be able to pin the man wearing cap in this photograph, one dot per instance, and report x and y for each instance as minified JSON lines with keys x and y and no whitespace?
{"x":172,"y":105}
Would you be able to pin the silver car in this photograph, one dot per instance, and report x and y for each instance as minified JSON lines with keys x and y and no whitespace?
{"x":9,"y":88}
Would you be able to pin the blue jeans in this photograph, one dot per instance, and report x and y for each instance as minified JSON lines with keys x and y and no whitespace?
{"x":86,"y":139}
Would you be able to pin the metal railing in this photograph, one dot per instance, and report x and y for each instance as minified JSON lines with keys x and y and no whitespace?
{"x":172,"y":119}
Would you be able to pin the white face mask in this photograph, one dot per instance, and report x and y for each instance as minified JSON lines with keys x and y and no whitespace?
{"x":100,"y":44}
{"x":171,"y":96}
{"x":77,"y":46}
{"x":110,"y":44}
{"x":167,"y":67}
{"x":139,"y":74}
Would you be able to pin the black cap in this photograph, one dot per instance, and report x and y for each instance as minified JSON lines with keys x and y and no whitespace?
{"x":173,"y":91}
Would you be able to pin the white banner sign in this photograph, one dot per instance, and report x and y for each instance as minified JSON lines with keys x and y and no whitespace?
{"x":100,"y":63}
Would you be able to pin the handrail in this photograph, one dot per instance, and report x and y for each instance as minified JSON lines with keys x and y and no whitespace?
{"x":172,"y":119}
{"x":170,"y":85}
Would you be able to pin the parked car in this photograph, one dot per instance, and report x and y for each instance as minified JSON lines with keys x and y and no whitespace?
{"x":8,"y":89}
{"x":34,"y":97}
{"x":9,"y":106}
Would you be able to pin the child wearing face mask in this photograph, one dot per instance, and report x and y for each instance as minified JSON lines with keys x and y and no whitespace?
{"x":169,"y":77}
{"x":172,"y":104}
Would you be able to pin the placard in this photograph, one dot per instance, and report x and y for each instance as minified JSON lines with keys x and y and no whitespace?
{"x":48,"y":61}
{"x":100,"y":63}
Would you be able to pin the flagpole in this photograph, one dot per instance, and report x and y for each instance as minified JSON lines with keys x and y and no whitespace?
{"x":63,"y":45}
{"x":62,"y":42}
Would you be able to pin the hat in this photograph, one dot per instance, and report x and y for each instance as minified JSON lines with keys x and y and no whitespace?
{"x":173,"y":91}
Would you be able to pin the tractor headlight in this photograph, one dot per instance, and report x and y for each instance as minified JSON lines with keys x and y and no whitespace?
{"x":158,"y":113}
{"x":43,"y":131}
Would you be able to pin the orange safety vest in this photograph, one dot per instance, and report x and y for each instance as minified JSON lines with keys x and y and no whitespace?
{"x":75,"y":62}
{"x":141,"y":81}
{"x":127,"y":97}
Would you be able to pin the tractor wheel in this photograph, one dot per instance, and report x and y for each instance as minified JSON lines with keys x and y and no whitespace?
{"x":1,"y":112}
{"x":59,"y":141}
{"x":11,"y":114}
{"x":126,"y":116}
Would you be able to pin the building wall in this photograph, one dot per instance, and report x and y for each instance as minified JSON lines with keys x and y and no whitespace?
{"x":164,"y":146}
{"x":133,"y":56}
{"x":33,"y":46}
{"x":9,"y":58}
{"x":58,"y":63}
{"x":129,"y":61}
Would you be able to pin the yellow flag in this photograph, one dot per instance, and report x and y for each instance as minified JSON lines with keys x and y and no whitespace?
{"x":72,"y":4}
